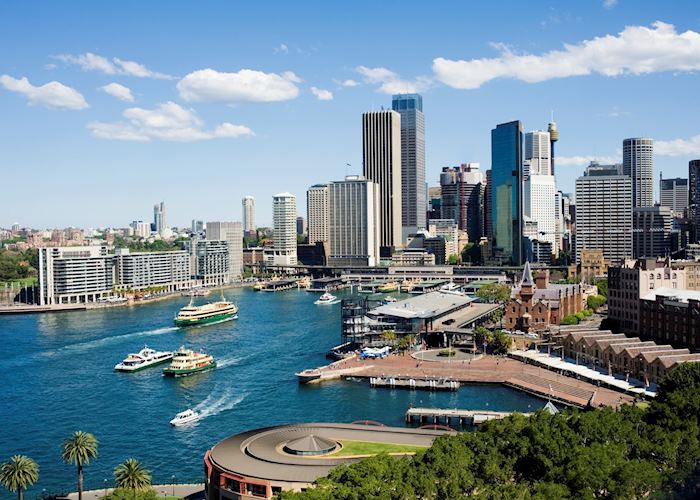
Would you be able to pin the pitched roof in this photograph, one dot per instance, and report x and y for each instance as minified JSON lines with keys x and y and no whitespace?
{"x":527,"y":276}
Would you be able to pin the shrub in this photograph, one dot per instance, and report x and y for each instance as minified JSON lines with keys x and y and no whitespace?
{"x":595,"y":301}
{"x":579,"y":316}
{"x":127,"y":494}
{"x":587,"y":312}
{"x":569,"y":320}
{"x":447,"y":352}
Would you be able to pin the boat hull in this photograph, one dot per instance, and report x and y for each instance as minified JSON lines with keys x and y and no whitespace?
{"x":128,"y":369}
{"x":169,"y":372}
{"x":204,"y":321}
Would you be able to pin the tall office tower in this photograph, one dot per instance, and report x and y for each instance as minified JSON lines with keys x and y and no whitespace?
{"x":284,"y":222}
{"x":159,"y":220}
{"x":538,"y":151}
{"x":462,"y":190}
{"x":694,"y":199}
{"x":197,"y":226}
{"x":604,"y":212}
{"x":553,"y":137}
{"x":248,"y":214}
{"x":301,"y":226}
{"x":651,"y":231}
{"x":488,"y":208}
{"x":353,"y":222}
{"x":638,"y":164}
{"x":232,"y":233}
{"x":413,"y":193}
{"x":539,"y":187}
{"x":674,"y":194}
{"x":381,"y":163}
{"x":317,"y":212}
{"x":507,"y":191}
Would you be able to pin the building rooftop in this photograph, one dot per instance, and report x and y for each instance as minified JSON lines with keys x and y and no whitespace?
{"x":680,"y":295}
{"x":424,"y":306}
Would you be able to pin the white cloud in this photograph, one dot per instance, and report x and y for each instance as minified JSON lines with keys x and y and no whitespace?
{"x":609,"y":4}
{"x":52,"y":95}
{"x":282,"y":49}
{"x":119,"y":91}
{"x":246,"y":85}
{"x":167,"y":122}
{"x":678,"y":147}
{"x":116,"y":66}
{"x":574,"y":161}
{"x":349,"y":83}
{"x":390,"y":82}
{"x":321,"y":94}
{"x":636,"y":50}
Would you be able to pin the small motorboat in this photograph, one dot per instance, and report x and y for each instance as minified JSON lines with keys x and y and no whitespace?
{"x":327,"y":298}
{"x":388,"y":300}
{"x":185,"y":417}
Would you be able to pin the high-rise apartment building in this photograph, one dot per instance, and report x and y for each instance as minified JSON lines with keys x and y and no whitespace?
{"x":248,"y":215}
{"x":604,"y":212}
{"x":538,"y":153}
{"x":413,"y":194}
{"x":141,"y":229}
{"x":232,"y":233}
{"x":317,"y":212}
{"x":381,"y":162}
{"x":159,"y":219}
{"x":463,"y":189}
{"x":674,"y":194}
{"x":210,"y":260}
{"x":651,"y":231}
{"x":197,"y":226}
{"x":139,"y":270}
{"x":507,"y":191}
{"x":353,"y":238}
{"x":638,"y":164}
{"x":694,"y":199}
{"x":447,"y":230}
{"x":284,"y":221}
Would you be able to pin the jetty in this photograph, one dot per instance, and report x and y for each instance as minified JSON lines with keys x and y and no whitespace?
{"x":279,"y":285}
{"x":447,"y":415}
{"x":429,"y":384}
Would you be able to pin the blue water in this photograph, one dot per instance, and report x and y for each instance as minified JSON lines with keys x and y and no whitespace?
{"x":56,"y":377}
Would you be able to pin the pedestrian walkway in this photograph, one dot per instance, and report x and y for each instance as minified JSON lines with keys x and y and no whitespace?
{"x":187,"y":491}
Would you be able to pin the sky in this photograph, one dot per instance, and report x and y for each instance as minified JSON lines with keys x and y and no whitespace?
{"x":109,"y":107}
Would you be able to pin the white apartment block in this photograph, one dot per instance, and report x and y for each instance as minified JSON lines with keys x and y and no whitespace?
{"x":140,"y":270}
{"x":249,"y":214}
{"x":284,"y":219}
{"x":317,"y":212}
{"x":448,"y":230}
{"x":231,"y":232}
{"x":539,"y":204}
{"x":73,"y":275}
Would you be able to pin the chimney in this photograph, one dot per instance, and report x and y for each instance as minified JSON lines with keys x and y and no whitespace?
{"x":542,"y":279}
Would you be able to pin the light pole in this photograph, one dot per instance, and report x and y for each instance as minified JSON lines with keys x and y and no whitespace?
{"x":104,"y":483}
{"x":172,"y":478}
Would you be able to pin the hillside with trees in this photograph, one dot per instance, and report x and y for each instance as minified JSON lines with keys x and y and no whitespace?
{"x":645,"y":451}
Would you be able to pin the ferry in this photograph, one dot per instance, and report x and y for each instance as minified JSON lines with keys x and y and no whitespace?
{"x":328,"y":299}
{"x":392,"y":286}
{"x":185,"y":417}
{"x":212,"y":312}
{"x":143,"y":359}
{"x":186,"y":362}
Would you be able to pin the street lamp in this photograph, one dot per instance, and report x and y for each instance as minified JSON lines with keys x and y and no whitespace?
{"x":173,"y":483}
{"x":104,"y":483}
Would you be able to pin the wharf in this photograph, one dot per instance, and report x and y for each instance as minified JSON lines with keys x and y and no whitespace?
{"x":429,"y":384}
{"x":329,"y":283}
{"x":30,"y":308}
{"x":472,"y":417}
{"x":279,"y":285}
{"x":427,"y":286}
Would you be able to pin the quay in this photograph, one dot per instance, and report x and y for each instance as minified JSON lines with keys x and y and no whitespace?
{"x":330,"y":283}
{"x":30,"y":308}
{"x":429,"y":285}
{"x":446,"y":415}
{"x":429,"y":384}
{"x":278,"y":285}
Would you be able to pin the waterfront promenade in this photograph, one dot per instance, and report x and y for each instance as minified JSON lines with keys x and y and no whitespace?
{"x":487,"y":369}
{"x":187,"y":491}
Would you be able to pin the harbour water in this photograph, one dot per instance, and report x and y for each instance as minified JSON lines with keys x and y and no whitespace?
{"x":56,"y":377}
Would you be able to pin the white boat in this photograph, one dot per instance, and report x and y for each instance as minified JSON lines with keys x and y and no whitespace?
{"x":388,"y":300}
{"x":452,"y":289}
{"x":327,"y":298}
{"x":143,"y":359}
{"x":185,"y":417}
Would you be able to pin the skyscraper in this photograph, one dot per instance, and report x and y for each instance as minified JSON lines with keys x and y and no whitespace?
{"x":317,"y":212}
{"x":638,"y":164}
{"x":694,"y":198}
{"x":232,"y":233}
{"x":538,"y":152}
{"x":462,"y":189}
{"x":381,"y":161}
{"x":674,"y":194}
{"x":413,"y":194}
{"x":159,"y":219}
{"x":604,"y":212}
{"x":539,"y":188}
{"x":506,"y":191}
{"x":284,"y":218}
{"x":249,"y":215}
{"x":353,"y":238}
{"x":651,"y":231}
{"x":301,"y":226}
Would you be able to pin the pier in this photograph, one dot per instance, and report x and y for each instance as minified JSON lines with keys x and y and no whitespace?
{"x":463,"y":417}
{"x":279,"y":285}
{"x":330,"y":283}
{"x":429,"y":384}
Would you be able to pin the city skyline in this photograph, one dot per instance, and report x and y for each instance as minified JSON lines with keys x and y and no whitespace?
{"x":123,"y":107}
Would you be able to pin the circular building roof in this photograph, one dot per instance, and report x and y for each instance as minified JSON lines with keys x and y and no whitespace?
{"x":310,"y":445}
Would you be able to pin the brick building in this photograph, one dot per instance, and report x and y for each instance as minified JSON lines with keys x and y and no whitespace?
{"x":672,"y":316}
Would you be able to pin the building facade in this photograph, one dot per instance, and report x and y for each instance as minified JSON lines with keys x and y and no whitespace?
{"x":159,"y":218}
{"x":671,"y":316}
{"x":638,"y":165}
{"x":604,"y":212}
{"x":209,"y":261}
{"x":248,"y":203}
{"x":73,"y":275}
{"x":141,"y":270}
{"x":446,"y":229}
{"x":507,"y":191}
{"x":674,"y":194}
{"x":381,"y":163}
{"x":231,"y":232}
{"x":317,"y":212}
{"x":462,"y":191}
{"x":284,"y":219}
{"x":354,"y":221}
{"x":694,"y":199}
{"x":651,"y":231}
{"x":413,"y":194}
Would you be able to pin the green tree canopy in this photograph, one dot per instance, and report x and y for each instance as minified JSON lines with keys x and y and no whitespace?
{"x":18,"y":473}
{"x":494,"y":293}
{"x":132,"y":475}
{"x":78,"y":450}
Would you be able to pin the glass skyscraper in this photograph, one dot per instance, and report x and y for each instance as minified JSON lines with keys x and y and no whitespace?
{"x":413,"y":190}
{"x":507,"y":191}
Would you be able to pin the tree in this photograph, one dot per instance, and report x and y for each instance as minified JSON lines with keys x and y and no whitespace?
{"x":453,"y":260}
{"x":494,"y":293}
{"x":389,"y":336}
{"x":78,"y":450}
{"x":132,"y":475}
{"x":18,"y":473}
{"x":501,"y":342}
{"x":602,"y":285}
{"x":595,"y":302}
{"x":569,"y":320}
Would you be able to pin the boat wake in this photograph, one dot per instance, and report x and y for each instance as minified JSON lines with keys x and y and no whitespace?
{"x":216,"y":403}
{"x":92,"y":344}
{"x":230,"y":361}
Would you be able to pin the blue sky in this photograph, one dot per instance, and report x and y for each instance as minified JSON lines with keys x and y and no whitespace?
{"x":201,"y":103}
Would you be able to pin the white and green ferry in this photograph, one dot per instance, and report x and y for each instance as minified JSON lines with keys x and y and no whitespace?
{"x":213,"y":312}
{"x":187,"y":362}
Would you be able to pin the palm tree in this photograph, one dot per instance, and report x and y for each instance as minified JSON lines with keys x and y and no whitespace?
{"x":18,"y":473}
{"x":131,"y":474}
{"x":78,"y":450}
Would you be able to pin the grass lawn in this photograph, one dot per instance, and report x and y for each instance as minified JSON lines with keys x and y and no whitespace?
{"x":353,"y":448}
{"x":19,"y":282}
